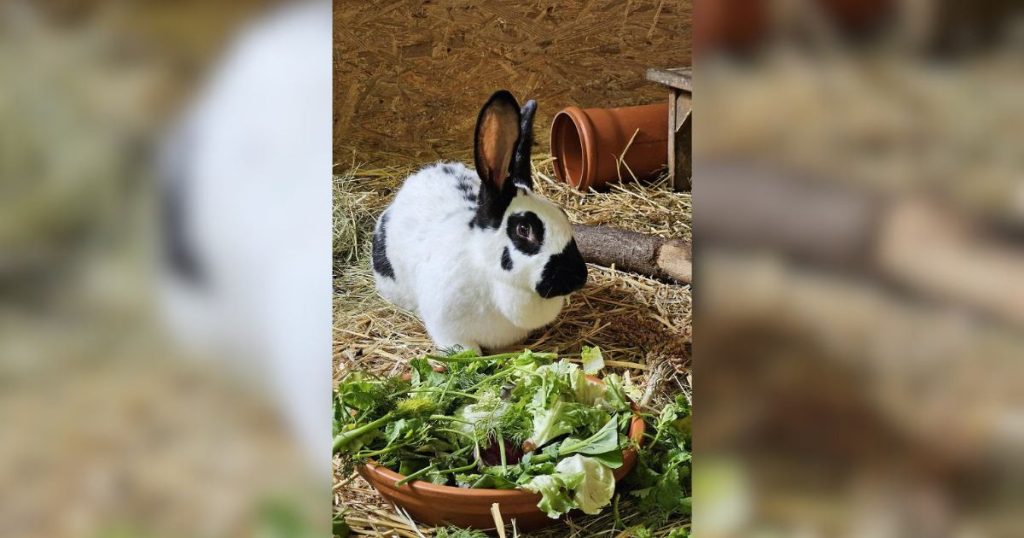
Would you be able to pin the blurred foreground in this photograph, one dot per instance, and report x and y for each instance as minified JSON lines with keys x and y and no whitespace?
{"x":119,"y":423}
{"x":858,"y":224}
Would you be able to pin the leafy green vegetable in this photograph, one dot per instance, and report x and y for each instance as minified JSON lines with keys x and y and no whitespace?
{"x":555,"y":491}
{"x":595,"y":490}
{"x":611,"y":459}
{"x":578,"y":482}
{"x":618,"y":393}
{"x":586,"y":391}
{"x":550,"y":422}
{"x":661,"y":480}
{"x":593,"y":361}
{"x":516,"y":420}
{"x":641,"y":532}
{"x":412,"y":407}
{"x":678,"y":532}
{"x":605,"y":440}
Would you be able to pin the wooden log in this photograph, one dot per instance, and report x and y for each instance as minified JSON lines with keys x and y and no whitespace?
{"x":911,"y":242}
{"x":657,"y":257}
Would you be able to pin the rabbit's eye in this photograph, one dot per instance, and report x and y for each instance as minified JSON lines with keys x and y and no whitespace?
{"x":523,"y":230}
{"x":526,"y":231}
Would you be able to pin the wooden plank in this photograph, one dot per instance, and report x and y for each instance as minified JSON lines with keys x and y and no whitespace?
{"x":680,"y":137}
{"x":680,"y":133}
{"x":680,"y":78}
{"x":673,"y":112}
{"x":682,"y":174}
{"x":683,"y":106}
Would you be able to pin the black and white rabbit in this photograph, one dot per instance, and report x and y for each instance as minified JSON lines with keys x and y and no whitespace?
{"x":480,"y":257}
{"x":245,"y":203}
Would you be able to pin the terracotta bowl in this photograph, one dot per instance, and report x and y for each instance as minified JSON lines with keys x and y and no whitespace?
{"x":433,"y":504}
{"x":464,"y":507}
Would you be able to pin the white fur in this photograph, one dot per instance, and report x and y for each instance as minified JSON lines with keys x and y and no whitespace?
{"x":450,"y":274}
{"x":253,"y":157}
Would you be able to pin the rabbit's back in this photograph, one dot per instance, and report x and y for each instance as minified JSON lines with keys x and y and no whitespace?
{"x":425,"y":229}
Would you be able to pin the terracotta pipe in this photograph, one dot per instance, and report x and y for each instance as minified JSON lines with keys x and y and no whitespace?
{"x":586,"y":143}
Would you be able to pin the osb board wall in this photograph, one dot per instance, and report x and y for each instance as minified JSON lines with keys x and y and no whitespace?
{"x":410,"y":76}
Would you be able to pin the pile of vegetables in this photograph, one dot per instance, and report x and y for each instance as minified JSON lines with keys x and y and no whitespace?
{"x":516,"y":420}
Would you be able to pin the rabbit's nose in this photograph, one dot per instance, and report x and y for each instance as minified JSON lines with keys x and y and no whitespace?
{"x":564,"y":273}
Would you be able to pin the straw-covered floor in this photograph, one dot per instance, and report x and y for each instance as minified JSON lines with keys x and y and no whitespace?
{"x":642,"y":325}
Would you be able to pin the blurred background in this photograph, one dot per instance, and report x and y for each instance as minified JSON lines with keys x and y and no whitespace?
{"x":859,"y":248}
{"x":164,"y":268}
{"x":859,"y":216}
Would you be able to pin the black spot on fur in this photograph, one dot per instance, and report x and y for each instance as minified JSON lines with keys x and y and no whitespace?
{"x":179,"y":253}
{"x":535,"y":229}
{"x":465,"y":186}
{"x":506,"y":260}
{"x":564,"y":273}
{"x":381,"y":264}
{"x":448,"y":169}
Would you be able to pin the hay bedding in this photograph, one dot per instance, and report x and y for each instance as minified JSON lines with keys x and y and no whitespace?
{"x":643,"y":326}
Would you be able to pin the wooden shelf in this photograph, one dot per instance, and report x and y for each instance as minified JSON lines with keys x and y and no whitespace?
{"x":680,"y":122}
{"x":680,"y":78}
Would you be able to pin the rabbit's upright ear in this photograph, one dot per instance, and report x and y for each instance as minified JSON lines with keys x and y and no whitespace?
{"x":497,"y":130}
{"x":521,"y":173}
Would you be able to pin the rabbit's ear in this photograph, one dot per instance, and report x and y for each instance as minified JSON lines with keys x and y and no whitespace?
{"x":521,"y":174}
{"x":497,"y":130}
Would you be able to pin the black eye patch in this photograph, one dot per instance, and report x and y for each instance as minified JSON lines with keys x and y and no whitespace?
{"x":527,"y":222}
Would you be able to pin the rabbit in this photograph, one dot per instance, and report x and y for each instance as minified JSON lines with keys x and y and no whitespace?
{"x":479,"y":257}
{"x":244,"y":277}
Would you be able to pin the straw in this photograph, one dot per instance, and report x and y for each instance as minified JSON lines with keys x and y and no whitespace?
{"x":643,"y":326}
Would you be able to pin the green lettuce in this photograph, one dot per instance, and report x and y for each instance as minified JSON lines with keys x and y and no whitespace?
{"x":551,"y":423}
{"x":597,"y":487}
{"x":578,"y":482}
{"x":555,"y":491}
{"x":584,"y":390}
{"x":593,"y":361}
{"x":605,"y":440}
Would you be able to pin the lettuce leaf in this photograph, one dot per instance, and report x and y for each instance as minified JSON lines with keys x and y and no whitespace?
{"x":605,"y":440}
{"x":611,"y":459}
{"x":551,"y":423}
{"x":584,"y":390}
{"x":597,"y":487}
{"x":618,"y":393}
{"x":555,"y":494}
{"x":578,"y":482}
{"x":593,"y":361}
